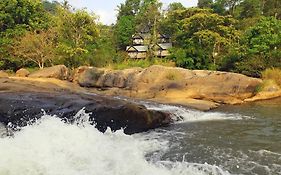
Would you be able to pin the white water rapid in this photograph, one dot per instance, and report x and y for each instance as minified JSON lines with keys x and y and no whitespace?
{"x":52,"y":147}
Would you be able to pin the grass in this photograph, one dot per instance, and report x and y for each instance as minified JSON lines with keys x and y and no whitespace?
{"x":173,"y":76}
{"x":32,"y":69}
{"x":273,"y":74}
{"x":271,"y":78}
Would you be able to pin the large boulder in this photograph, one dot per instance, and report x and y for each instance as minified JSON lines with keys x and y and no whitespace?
{"x":222,"y":87}
{"x":22,"y":73}
{"x":77,"y":72}
{"x":169,"y":84}
{"x":104,"y":78}
{"x":172,"y":85}
{"x":21,"y":107}
{"x":3,"y":74}
{"x":59,"y":72}
{"x":89,"y":76}
{"x":119,"y":78}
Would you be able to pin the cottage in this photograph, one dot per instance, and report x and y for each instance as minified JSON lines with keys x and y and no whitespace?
{"x":141,"y":44}
{"x":161,"y":38}
{"x":137,"y":52}
{"x":162,"y":49}
{"x":138,"y":39}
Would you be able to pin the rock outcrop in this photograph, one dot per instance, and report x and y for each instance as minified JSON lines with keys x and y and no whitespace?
{"x":23,"y":99}
{"x":201,"y":89}
{"x":59,"y":72}
{"x":22,"y":73}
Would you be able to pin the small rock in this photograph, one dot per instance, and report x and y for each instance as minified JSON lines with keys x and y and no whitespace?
{"x":22,"y":73}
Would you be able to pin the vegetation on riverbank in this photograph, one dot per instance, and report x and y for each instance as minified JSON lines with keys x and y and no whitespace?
{"x":241,"y":36}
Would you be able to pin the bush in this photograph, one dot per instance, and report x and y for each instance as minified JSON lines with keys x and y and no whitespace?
{"x":273,"y":74}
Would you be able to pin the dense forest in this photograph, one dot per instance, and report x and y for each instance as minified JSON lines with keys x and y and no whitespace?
{"x":230,"y":35}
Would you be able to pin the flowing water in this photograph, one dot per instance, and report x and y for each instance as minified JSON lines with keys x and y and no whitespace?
{"x":231,"y":140}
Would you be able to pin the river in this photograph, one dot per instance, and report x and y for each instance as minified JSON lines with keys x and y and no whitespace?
{"x":243,"y":139}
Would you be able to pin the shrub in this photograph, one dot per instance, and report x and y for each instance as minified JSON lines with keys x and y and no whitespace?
{"x":273,"y":74}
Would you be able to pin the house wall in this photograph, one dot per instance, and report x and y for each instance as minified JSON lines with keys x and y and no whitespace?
{"x":132,"y":54}
{"x":141,"y":55}
{"x":165,"y":53}
{"x":138,"y":41}
{"x":137,"y":55}
{"x":162,"y":53}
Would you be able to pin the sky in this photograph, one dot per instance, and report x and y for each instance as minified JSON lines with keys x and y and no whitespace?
{"x":107,"y":9}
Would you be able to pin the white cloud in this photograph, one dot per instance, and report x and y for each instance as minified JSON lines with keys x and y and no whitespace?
{"x":106,"y":17}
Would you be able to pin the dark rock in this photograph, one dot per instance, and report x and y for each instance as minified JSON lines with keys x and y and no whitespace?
{"x":21,"y":108}
{"x":59,"y":72}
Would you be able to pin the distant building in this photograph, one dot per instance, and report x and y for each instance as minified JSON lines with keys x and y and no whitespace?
{"x":140,"y":46}
{"x":162,"y":49}
{"x":137,"y":52}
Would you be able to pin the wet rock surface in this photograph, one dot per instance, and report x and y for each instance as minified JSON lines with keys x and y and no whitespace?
{"x":21,"y":107}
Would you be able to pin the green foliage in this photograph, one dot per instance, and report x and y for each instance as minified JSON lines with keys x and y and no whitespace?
{"x":265,"y":36}
{"x":260,"y":48}
{"x":16,"y":18}
{"x":231,"y":35}
{"x":36,"y":47}
{"x":124,"y":30}
{"x":204,"y":3}
{"x":77,"y":33}
{"x":202,"y":37}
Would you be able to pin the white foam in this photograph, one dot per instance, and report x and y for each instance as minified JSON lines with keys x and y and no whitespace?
{"x":52,"y":147}
{"x":188,"y":115}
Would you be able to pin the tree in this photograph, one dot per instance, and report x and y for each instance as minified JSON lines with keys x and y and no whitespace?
{"x":265,"y":36}
{"x":36,"y":47}
{"x":204,"y":36}
{"x":124,"y":30}
{"x":175,"y":6}
{"x":260,"y":48}
{"x":250,"y":8}
{"x":77,"y":34}
{"x":126,"y":22}
{"x":272,"y":8}
{"x":129,"y":8}
{"x":204,"y":3}
{"x":50,"y":7}
{"x":149,"y":16}
{"x":16,"y":18}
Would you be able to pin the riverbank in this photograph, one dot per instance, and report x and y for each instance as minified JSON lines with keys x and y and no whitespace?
{"x":199,"y":89}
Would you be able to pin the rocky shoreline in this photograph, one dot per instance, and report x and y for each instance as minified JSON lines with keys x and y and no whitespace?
{"x":62,"y":93}
{"x":199,"y":89}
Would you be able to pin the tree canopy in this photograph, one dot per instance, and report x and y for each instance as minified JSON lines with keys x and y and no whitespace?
{"x":231,"y":35}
